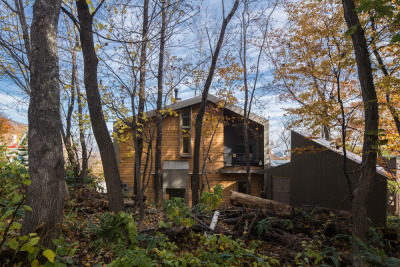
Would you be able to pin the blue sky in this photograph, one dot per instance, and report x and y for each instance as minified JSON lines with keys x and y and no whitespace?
{"x":14,"y":103}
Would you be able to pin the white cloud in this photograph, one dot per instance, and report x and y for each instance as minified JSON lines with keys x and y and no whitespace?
{"x":13,"y":104}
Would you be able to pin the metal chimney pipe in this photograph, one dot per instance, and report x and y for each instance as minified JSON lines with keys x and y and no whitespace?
{"x":176,"y":95}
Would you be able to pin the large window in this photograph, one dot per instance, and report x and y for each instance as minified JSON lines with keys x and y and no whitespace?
{"x":186,"y":132}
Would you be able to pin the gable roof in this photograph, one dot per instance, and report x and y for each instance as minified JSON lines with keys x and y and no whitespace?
{"x":350,"y":155}
{"x":212,"y":99}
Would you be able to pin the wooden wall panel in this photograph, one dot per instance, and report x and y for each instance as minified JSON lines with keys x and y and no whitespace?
{"x":170,"y":151}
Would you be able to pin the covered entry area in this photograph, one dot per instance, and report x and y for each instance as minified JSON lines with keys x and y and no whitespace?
{"x":175,"y":181}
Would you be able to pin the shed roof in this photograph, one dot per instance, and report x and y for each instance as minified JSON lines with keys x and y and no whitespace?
{"x":350,"y":155}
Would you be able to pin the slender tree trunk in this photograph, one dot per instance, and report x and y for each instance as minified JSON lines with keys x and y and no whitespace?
{"x":67,"y":134}
{"x":82,"y":140}
{"x":138,"y":131}
{"x":24,"y":26}
{"x":46,"y":161}
{"x":159,"y":119}
{"x":101,"y":134}
{"x":369,"y":153}
{"x":84,"y":154}
{"x":246,"y":99}
{"x":202,"y":109}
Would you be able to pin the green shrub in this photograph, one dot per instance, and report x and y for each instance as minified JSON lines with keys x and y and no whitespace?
{"x":72,"y":181}
{"x":211,"y":200}
{"x":14,"y":180}
{"x":115,"y":231}
{"x":177,"y":212}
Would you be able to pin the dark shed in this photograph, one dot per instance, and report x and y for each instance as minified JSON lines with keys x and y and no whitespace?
{"x":315,"y":177}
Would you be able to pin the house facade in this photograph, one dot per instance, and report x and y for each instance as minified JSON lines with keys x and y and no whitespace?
{"x":222,"y":150}
{"x":315,"y":177}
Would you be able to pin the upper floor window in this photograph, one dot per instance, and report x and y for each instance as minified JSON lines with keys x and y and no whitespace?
{"x":186,"y":132}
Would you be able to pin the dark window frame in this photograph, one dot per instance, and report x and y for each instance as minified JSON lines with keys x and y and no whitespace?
{"x":237,"y":186}
{"x":185,"y":131}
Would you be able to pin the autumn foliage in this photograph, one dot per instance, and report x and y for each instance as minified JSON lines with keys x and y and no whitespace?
{"x":5,"y":126}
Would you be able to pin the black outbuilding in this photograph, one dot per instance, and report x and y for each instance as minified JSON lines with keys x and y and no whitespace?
{"x":315,"y":177}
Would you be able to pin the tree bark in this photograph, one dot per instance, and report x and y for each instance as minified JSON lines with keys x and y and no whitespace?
{"x":202,"y":109}
{"x":246,"y":100}
{"x":369,"y":153}
{"x":103,"y":138}
{"x":138,"y":125}
{"x":46,"y":161}
{"x":84,"y":154}
{"x":67,"y":133}
{"x":159,"y":117}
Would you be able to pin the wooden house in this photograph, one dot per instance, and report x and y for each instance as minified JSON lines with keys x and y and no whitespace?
{"x":225,"y":163}
{"x":315,"y":177}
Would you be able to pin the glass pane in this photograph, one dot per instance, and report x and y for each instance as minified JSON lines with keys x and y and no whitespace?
{"x":186,"y":120}
{"x":185,"y":145}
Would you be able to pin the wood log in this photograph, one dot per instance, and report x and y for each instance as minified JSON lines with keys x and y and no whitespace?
{"x":341,"y":213}
{"x":253,"y":201}
{"x":236,"y":219}
{"x":129,"y":203}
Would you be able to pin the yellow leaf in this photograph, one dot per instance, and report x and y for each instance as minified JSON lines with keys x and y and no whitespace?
{"x":35,"y":263}
{"x":49,"y":254}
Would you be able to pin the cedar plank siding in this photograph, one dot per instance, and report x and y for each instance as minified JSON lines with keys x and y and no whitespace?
{"x":170,"y":152}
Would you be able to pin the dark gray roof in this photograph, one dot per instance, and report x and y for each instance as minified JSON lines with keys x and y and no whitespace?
{"x":354,"y":157}
{"x":213,"y":99}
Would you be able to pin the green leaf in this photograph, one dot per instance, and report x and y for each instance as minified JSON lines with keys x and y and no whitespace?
{"x":49,"y":264}
{"x":26,"y":246}
{"x":15,"y":225}
{"x":72,"y":252}
{"x":61,"y":251}
{"x":17,"y":198}
{"x":27,"y":208}
{"x":335,"y":261}
{"x":23,"y":238}
{"x":33,"y":255}
{"x":392,"y":262}
{"x":34,"y":240}
{"x":31,"y":250}
{"x":49,"y":254}
{"x":27,"y":182}
{"x":7,"y":214}
{"x":35,"y":263}
{"x":372,"y":258}
{"x":13,"y":243}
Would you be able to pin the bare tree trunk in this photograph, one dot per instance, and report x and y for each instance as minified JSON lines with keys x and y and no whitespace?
{"x":46,"y":161}
{"x":202,"y":109}
{"x":369,"y":153}
{"x":67,"y":133}
{"x":84,"y":154}
{"x":25,"y":28}
{"x":138,"y":131}
{"x":246,"y":98}
{"x":75,"y":82}
{"x":157,"y":176}
{"x":103,"y":139}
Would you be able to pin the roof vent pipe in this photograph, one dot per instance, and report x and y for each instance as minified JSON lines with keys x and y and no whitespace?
{"x":176,"y":95}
